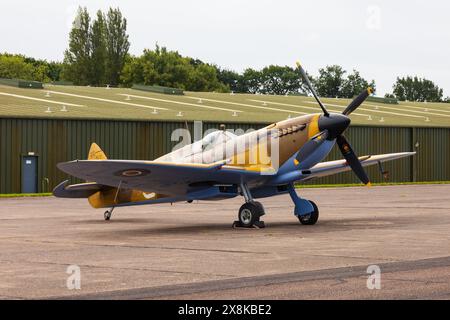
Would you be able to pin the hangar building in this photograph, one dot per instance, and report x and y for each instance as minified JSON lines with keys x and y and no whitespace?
{"x":41,"y":127}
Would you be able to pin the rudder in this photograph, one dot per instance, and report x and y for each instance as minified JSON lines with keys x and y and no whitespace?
{"x":95,"y":153}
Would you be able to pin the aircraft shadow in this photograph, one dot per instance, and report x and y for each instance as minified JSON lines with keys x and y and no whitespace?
{"x":282,"y":228}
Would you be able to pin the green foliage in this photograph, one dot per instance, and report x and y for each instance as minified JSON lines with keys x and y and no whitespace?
{"x":170,"y":69}
{"x":270,"y":80}
{"x":26,"y":68}
{"x":229,"y":78}
{"x":390,"y":96}
{"x":251,"y":81}
{"x":354,"y":84}
{"x":417,"y":89}
{"x":98,"y":50}
{"x":333,"y":83}
{"x":132,"y":72}
{"x":77,"y":57}
{"x":330,"y":81}
{"x":117,"y":45}
{"x":15,"y":67}
{"x":279,"y":80}
{"x":55,"y":70}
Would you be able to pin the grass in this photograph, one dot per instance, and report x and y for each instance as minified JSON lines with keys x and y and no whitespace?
{"x":23,"y":195}
{"x":299,"y":186}
{"x":204,"y":106}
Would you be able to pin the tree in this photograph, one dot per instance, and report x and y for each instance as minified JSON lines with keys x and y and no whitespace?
{"x":417,"y":89}
{"x":230,"y":78}
{"x":389,"y":96}
{"x":251,"y":81}
{"x":21,"y":67}
{"x":77,"y":57}
{"x":354,"y":84}
{"x":170,"y":69}
{"x":117,"y":45}
{"x":14,"y":67}
{"x":98,"y":50}
{"x":132,"y":71}
{"x":204,"y":78}
{"x":279,"y":80}
{"x":165,"y":68}
{"x":330,"y":81}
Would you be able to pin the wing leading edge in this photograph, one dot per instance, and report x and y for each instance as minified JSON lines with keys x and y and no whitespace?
{"x":328,"y":168}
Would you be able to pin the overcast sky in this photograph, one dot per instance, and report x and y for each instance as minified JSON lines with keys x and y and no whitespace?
{"x":382,"y":39}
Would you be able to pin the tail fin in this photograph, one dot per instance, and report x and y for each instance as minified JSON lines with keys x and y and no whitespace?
{"x":95,"y":153}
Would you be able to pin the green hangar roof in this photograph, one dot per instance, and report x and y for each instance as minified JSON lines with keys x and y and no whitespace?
{"x":71,"y":102}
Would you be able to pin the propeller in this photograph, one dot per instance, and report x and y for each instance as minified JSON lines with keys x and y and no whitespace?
{"x":358,"y":101}
{"x":352,"y":159}
{"x":332,"y":126}
{"x":311,"y":88}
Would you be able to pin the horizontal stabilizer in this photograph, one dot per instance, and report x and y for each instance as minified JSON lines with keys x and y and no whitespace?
{"x":82,"y":190}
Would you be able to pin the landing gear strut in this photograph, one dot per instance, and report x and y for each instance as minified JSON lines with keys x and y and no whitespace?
{"x":305,"y":210}
{"x":250,"y":212}
{"x":108,"y":214}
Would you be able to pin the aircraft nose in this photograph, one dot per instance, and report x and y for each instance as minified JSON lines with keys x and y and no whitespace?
{"x":335,"y":123}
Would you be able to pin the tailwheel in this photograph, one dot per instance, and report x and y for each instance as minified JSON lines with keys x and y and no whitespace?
{"x":250,"y":213}
{"x":311,"y":218}
{"x":108,"y":214}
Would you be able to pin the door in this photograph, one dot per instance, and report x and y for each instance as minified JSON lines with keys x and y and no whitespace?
{"x":29,"y":174}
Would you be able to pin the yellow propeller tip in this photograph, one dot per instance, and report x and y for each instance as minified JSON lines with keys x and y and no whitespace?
{"x":296,"y":162}
{"x":369,"y":90}
{"x":298,"y":63}
{"x":368,"y":184}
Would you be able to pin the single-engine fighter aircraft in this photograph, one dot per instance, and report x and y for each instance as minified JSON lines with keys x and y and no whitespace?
{"x":262,"y":163}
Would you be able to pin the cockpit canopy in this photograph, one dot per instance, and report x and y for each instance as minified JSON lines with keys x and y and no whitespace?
{"x":214,"y":138}
{"x":198,"y":152}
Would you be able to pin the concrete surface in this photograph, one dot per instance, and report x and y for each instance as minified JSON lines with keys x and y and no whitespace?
{"x":191,"y":251}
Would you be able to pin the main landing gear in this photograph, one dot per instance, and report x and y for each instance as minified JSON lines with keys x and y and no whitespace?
{"x":108,"y":214}
{"x":305,"y":210}
{"x":250,"y":212}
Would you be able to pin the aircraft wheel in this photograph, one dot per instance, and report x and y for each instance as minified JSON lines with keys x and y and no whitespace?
{"x":107,"y":215}
{"x":310,"y":219}
{"x":249,"y":213}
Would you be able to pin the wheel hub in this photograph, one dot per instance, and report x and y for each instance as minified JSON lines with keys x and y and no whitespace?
{"x":246,"y":216}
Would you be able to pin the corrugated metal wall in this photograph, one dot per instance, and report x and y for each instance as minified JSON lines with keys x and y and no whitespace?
{"x":55,"y":141}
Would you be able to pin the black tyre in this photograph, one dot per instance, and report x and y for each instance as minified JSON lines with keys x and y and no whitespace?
{"x":310,"y":219}
{"x":261,"y":208}
{"x":249,"y":213}
{"x":107,"y":215}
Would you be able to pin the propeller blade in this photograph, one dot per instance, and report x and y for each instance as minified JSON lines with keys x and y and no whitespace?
{"x":311,"y":88}
{"x":352,"y":159}
{"x":357,"y":101}
{"x":311,"y":146}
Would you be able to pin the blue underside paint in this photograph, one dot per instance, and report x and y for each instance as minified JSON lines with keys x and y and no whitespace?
{"x":302,"y":207}
{"x":289,"y":172}
{"x":212,"y":193}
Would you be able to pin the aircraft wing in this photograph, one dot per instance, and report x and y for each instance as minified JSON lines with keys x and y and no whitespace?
{"x":332,"y":167}
{"x":151,"y":176}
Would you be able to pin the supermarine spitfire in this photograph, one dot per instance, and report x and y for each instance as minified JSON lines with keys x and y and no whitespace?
{"x":258,"y":164}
